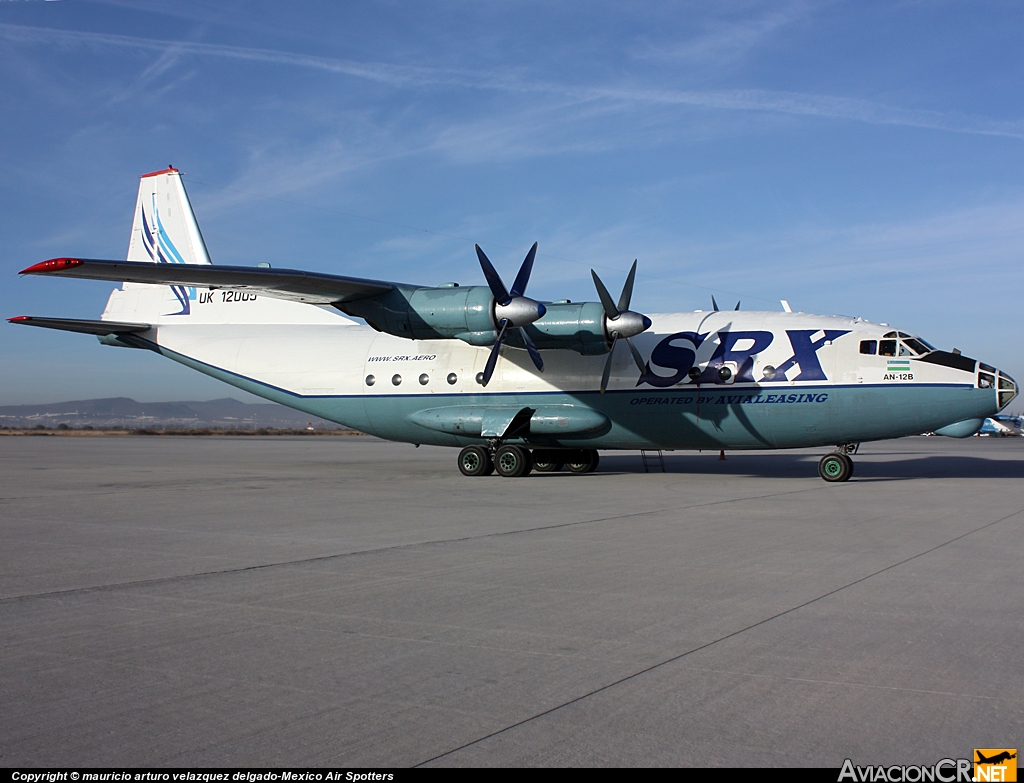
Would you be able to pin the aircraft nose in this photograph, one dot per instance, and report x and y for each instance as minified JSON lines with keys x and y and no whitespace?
{"x":1005,"y":386}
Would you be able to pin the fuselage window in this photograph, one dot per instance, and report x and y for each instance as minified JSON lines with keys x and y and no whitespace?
{"x":396,"y":379}
{"x":887,"y":347}
{"x":370,"y":380}
{"x":870,"y":347}
{"x":452,"y":379}
{"x":424,"y":379}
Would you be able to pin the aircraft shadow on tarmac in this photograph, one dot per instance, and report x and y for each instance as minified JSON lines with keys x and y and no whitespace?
{"x":782,"y":465}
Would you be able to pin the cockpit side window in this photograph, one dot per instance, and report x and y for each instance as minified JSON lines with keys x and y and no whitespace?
{"x":916,"y":345}
{"x":870,"y":347}
{"x":904,"y":351}
{"x":887,"y":347}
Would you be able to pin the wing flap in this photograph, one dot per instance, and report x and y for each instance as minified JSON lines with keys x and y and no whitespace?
{"x":99,"y":328}
{"x":292,"y":284}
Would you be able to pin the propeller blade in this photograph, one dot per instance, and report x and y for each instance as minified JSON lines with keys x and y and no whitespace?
{"x":737,"y":307}
{"x":493,"y":280}
{"x":492,"y":360}
{"x":519,"y":286}
{"x":606,"y":299}
{"x":608,"y":364}
{"x":641,"y":365}
{"x":538,"y":362}
{"x":714,"y":304}
{"x":627,"y":289}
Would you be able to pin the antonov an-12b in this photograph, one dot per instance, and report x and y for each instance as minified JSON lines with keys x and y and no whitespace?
{"x":519,"y":384}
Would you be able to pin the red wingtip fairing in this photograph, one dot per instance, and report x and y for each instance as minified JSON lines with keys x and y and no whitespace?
{"x":52,"y":265}
{"x":19,"y":319}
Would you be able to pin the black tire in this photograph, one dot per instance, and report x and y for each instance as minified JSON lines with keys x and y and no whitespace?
{"x":835,"y":467}
{"x":475,"y":461}
{"x":547,"y":461}
{"x":584,"y":461}
{"x":512,"y":461}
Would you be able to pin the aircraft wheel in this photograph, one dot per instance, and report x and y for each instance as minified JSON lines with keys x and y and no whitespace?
{"x":475,"y":461}
{"x":547,"y":461}
{"x":835,"y":467}
{"x":584,"y":461}
{"x":512,"y":461}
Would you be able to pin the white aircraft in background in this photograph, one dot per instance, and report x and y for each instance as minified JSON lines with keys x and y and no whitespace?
{"x":515,"y":383}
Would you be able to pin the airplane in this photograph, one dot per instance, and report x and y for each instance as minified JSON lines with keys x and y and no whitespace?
{"x":1001,"y":426}
{"x":1004,"y":756}
{"x":515,"y":383}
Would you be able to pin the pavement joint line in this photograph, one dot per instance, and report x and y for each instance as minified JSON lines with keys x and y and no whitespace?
{"x":705,"y":646}
{"x":397,"y":547}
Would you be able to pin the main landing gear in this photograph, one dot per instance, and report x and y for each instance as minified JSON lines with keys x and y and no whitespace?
{"x":836,"y":466}
{"x":516,"y":461}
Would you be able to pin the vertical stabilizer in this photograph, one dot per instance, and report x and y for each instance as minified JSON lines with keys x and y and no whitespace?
{"x":165,"y":230}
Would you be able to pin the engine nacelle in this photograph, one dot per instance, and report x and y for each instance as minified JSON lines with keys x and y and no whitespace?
{"x":430,"y":313}
{"x":578,"y":327}
{"x":467,"y":314}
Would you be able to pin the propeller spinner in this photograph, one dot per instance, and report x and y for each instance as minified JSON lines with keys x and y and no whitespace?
{"x":512,"y":310}
{"x":620,"y":321}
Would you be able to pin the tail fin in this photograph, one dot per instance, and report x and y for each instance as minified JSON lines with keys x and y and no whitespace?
{"x":165,"y":229}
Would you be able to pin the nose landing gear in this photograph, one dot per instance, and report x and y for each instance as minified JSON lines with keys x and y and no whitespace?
{"x":835,"y":467}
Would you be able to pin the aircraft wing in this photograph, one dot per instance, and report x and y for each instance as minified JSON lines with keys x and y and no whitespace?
{"x":292,"y":284}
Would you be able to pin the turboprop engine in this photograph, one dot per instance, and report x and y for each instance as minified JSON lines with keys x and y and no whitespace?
{"x":492,"y":315}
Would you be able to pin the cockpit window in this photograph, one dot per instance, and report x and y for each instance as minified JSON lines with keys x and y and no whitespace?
{"x":869,"y":347}
{"x":887,"y":347}
{"x":916,"y":345}
{"x":890,"y":334}
{"x":904,"y":351}
{"x":927,"y":344}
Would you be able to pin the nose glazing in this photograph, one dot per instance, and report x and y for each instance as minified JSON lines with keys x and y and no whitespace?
{"x":1006,"y":389}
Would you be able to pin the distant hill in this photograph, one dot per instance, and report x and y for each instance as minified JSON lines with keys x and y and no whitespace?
{"x":124,"y":412}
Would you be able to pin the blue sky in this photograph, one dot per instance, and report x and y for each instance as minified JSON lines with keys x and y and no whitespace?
{"x":852,"y":157}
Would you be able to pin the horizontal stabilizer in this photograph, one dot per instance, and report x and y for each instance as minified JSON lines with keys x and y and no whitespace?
{"x":98,"y":328}
{"x":292,"y":284}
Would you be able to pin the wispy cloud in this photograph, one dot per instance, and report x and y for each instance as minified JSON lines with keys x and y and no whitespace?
{"x":725,"y":40}
{"x":625,"y":94}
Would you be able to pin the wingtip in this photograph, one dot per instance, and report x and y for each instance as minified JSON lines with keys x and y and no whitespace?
{"x":53,"y":265}
{"x":19,"y":319}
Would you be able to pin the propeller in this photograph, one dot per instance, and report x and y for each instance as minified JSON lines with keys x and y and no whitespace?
{"x":512,"y":310}
{"x":620,"y":321}
{"x":714,"y":304}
